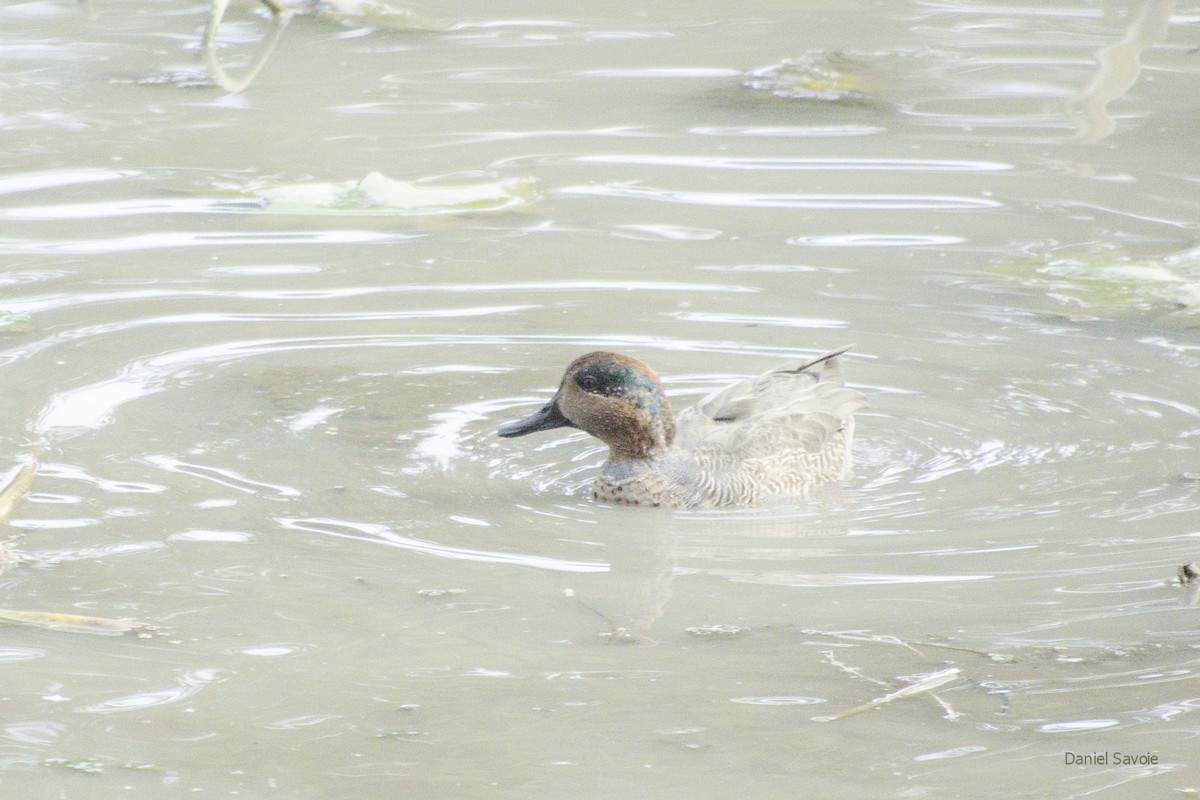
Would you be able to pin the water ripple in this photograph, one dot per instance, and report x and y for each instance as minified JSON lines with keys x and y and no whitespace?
{"x":753,"y":319}
{"x":788,"y":131}
{"x":877,"y":240}
{"x":91,"y":407}
{"x":187,"y":685}
{"x":224,"y":477}
{"x":754,"y":200}
{"x":54,"y":179}
{"x":184,"y":239}
{"x":381,"y":534}
{"x":32,"y":305}
{"x":796,"y":164}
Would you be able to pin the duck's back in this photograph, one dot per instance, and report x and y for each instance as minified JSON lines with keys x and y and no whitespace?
{"x":775,"y":435}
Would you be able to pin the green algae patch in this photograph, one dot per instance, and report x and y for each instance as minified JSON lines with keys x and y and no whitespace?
{"x":1111,"y":282}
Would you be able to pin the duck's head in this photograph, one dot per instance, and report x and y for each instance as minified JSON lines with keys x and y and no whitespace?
{"x":618,"y":399}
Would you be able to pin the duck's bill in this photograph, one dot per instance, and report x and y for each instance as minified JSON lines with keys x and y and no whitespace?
{"x":547,"y":418}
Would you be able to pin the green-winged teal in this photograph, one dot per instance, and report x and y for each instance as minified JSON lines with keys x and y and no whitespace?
{"x":776,"y":435}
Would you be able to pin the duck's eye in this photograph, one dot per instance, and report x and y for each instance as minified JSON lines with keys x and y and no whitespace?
{"x":606,"y":379}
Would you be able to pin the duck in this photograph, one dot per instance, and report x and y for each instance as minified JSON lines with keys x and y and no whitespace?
{"x":777,"y":435}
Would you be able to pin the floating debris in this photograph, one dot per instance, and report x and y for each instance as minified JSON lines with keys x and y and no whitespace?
{"x":19,"y":482}
{"x":379,"y":12}
{"x":92,"y":766}
{"x":179,"y":78}
{"x":927,"y":683}
{"x":280,"y":16}
{"x":812,"y":76}
{"x":622,"y":635}
{"x":439,"y":592}
{"x":16,"y":488}
{"x":374,"y":12}
{"x":1107,"y":279}
{"x":84,"y":765}
{"x":75,"y":623}
{"x":379,"y":194}
{"x":8,"y":554}
{"x":717,"y":631}
{"x":15,"y":323}
{"x":860,"y":636}
{"x":9,"y":557}
{"x":1188,"y":574}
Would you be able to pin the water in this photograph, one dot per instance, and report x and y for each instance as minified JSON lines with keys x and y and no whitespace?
{"x":269,"y":435}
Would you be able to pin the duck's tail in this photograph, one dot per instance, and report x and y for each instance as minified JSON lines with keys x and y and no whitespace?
{"x":830,"y":360}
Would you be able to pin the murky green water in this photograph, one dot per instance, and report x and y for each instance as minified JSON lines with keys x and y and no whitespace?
{"x":268,"y":431}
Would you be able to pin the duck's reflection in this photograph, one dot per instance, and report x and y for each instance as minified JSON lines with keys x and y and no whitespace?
{"x":631,"y":596}
{"x":647,"y":549}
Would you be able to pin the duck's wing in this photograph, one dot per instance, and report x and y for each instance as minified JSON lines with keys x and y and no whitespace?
{"x":796,"y":406}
